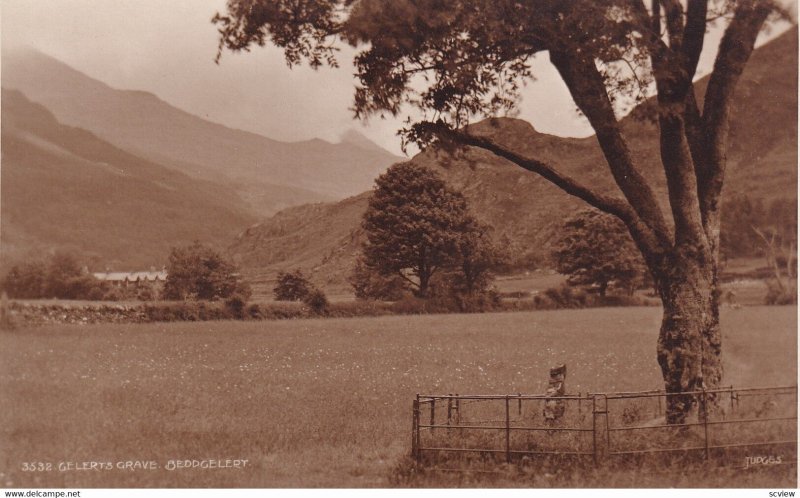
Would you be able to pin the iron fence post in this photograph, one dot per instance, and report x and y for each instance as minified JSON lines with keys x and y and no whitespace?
{"x":608,"y":425}
{"x":659,"y":402}
{"x":594,"y":429}
{"x":508,"y":432}
{"x":415,"y":430}
{"x":433,"y":413}
{"x":731,"y":398}
{"x":449,"y":409}
{"x":705,"y":421}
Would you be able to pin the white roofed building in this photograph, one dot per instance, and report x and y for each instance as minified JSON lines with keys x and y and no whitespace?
{"x":133,"y":279}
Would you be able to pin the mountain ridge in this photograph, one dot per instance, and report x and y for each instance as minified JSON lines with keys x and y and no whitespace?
{"x":146,"y":125}
{"x":115,"y":208}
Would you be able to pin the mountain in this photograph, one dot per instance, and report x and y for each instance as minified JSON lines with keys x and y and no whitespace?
{"x":526,"y":210}
{"x":268,"y":174}
{"x":63,"y":187}
{"x":358,"y":139}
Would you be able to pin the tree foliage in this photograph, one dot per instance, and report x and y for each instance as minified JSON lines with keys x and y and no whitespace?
{"x":199,"y":272}
{"x":292,"y":286}
{"x":477,"y":258}
{"x":368,"y":283}
{"x":26,"y":280}
{"x":317,"y":301}
{"x":596,"y":249}
{"x":60,"y":276}
{"x":418,"y":227}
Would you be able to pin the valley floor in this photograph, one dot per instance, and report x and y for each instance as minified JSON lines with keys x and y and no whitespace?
{"x":312,"y":403}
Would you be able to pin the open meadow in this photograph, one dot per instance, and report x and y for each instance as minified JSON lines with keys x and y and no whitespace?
{"x":313,"y":403}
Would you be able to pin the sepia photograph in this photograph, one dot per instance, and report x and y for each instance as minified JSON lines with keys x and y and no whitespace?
{"x":398,"y":244}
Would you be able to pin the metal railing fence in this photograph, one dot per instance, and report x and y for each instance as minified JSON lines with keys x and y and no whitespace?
{"x":604,"y":426}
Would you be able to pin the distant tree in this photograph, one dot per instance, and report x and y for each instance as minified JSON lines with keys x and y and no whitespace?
{"x":60,"y":276}
{"x":26,"y":280}
{"x":596,"y":249}
{"x":67,"y":278}
{"x":414,"y":225}
{"x":478,"y":255}
{"x":197,"y":271}
{"x":292,"y":286}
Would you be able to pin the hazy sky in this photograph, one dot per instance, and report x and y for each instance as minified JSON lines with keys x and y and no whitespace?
{"x":167,"y":47}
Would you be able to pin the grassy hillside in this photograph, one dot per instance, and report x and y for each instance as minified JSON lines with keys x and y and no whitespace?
{"x":327,"y":402}
{"x":524,"y":208}
{"x":270,"y":174}
{"x":64,"y":187}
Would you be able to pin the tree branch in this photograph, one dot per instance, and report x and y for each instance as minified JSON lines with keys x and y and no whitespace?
{"x":673,"y":11}
{"x":694,"y":35}
{"x":655,"y":24}
{"x":588,"y":90}
{"x":402,"y":275}
{"x":693,"y":123}
{"x":681,"y":180}
{"x":646,"y":239}
{"x":673,"y":69}
{"x":649,"y":25}
{"x":734,"y":51}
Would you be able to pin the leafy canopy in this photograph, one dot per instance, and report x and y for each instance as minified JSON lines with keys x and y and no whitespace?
{"x":596,"y":249}
{"x":413,"y":223}
{"x":60,"y":275}
{"x":418,"y":227}
{"x":292,"y":286}
{"x":458,"y":59}
{"x":197,"y":271}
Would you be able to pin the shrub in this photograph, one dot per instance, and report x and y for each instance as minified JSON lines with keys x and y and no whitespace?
{"x":410,"y":305}
{"x":479,"y":303}
{"x":198,"y":271}
{"x":26,"y":280}
{"x":235,"y":306}
{"x":292,"y":286}
{"x":113,"y":294}
{"x":254,"y":312}
{"x":317,"y":301}
{"x":566,"y":296}
{"x":96,"y":294}
{"x":283,"y":311}
{"x":146,"y":293}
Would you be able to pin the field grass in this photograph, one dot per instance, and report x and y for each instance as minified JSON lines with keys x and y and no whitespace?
{"x":312,"y":403}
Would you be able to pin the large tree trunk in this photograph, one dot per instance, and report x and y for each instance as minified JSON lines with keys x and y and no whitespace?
{"x":689,"y":343}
